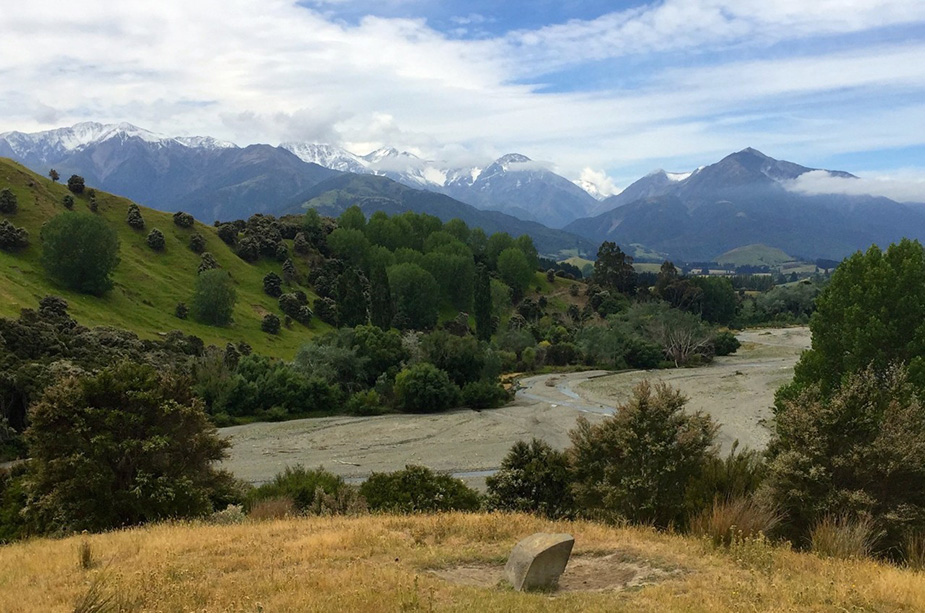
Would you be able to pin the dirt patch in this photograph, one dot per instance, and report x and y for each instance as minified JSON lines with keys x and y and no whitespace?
{"x":585,"y":573}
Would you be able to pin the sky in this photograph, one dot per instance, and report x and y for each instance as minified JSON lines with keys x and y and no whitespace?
{"x":604,"y":90}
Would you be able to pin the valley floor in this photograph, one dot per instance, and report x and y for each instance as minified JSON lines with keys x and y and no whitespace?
{"x":737,"y":390}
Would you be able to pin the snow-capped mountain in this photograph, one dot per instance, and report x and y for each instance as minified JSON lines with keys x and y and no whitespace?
{"x":51,"y":145}
{"x":328,"y":156}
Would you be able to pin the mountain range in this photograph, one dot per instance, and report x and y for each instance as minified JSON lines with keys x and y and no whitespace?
{"x":746,"y":198}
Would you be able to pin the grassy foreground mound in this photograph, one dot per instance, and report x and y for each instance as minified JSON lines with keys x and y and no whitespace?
{"x":148,"y":283}
{"x":430,"y":562}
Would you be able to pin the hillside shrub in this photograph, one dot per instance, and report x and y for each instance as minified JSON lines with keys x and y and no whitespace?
{"x":730,"y":519}
{"x":197,"y":243}
{"x":68,"y":202}
{"x":207,"y":261}
{"x":181,"y":311}
{"x":183,"y":220}
{"x":417,"y":489}
{"x":8,"y":201}
{"x":150,"y":456}
{"x":272,"y":285}
{"x":424,"y":388}
{"x":270,"y":324}
{"x":228,"y":233}
{"x":857,"y":452}
{"x":533,"y":478}
{"x":12,"y":238}
{"x":637,"y":464}
{"x":248,"y":249}
{"x":80,"y":251}
{"x":300,"y":244}
{"x":725,"y":343}
{"x":156,"y":240}
{"x":76,"y":184}
{"x":326,"y":310}
{"x":133,"y":218}
{"x":291,"y":305}
{"x":737,"y":476}
{"x":484,"y":395}
{"x":282,"y":252}
{"x":214,"y":297}
{"x":308,"y":490}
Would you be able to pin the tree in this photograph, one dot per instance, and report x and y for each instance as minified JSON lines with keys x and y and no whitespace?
{"x":352,"y":298}
{"x":12,"y":238}
{"x":300,"y":244}
{"x":214,"y":297}
{"x":482,"y":300}
{"x":718,"y":301}
{"x":637,"y":464}
{"x":53,"y":175}
{"x":270,"y":324}
{"x":228,"y":233}
{"x":514,"y":269}
{"x":352,"y":218}
{"x":8,"y":203}
{"x":858,"y":451}
{"x":197,"y":243}
{"x":156,"y":240}
{"x":80,"y":251}
{"x":207,"y":261}
{"x":350,"y":245}
{"x":123,"y":447}
{"x":424,"y":388}
{"x":296,"y":308}
{"x":418,"y":489}
{"x":533,"y":478}
{"x":76,"y":184}
{"x":134,"y":218}
{"x":416,"y":296}
{"x":183,"y":220}
{"x":68,"y":202}
{"x":614,"y":269}
{"x":380,"y":299}
{"x":272,"y":285}
{"x":872,"y":312}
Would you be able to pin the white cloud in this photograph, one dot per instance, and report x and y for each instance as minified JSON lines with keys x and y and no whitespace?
{"x":906,"y":186}
{"x":597,"y":182}
{"x":271,"y":71}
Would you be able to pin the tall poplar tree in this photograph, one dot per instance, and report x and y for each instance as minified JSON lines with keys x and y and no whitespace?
{"x":482,"y":299}
{"x":380,"y":307}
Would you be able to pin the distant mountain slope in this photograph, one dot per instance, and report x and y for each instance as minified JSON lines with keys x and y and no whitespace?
{"x":148,"y":284}
{"x":374,"y":193}
{"x":744,"y":200}
{"x":210,"y":179}
{"x":754,"y":255}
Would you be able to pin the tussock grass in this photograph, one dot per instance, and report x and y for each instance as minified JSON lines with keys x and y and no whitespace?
{"x":382,"y":563}
{"x":273,"y":508}
{"x":728,"y":520}
{"x":841,"y":536}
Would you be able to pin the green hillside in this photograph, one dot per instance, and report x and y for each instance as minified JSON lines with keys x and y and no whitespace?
{"x":754,"y":255}
{"x":148,"y":284}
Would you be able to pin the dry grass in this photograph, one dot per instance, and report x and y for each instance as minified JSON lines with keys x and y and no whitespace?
{"x":914,"y":551}
{"x":728,"y":520}
{"x":273,"y":508}
{"x":383,"y":563}
{"x":843,"y":537}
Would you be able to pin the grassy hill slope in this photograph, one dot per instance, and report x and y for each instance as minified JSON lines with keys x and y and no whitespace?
{"x":449,"y":562}
{"x":754,"y":255}
{"x":148,"y":284}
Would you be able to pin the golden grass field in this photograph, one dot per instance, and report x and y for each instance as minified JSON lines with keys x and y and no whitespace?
{"x":390,"y":563}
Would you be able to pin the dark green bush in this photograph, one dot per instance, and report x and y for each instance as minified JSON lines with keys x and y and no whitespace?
{"x":134,"y":218}
{"x":182,"y":311}
{"x":80,"y":251}
{"x":484,"y":395}
{"x":76,"y":184}
{"x":156,"y":240}
{"x":291,"y":304}
{"x":533,"y":478}
{"x":12,"y":238}
{"x":725,"y":343}
{"x":8,"y":203}
{"x":272,"y":285}
{"x":417,"y":489}
{"x":424,"y":388}
{"x":207,"y":261}
{"x":197,"y":243}
{"x":183,"y":220}
{"x":305,"y":488}
{"x":68,"y":202}
{"x":270,"y":324}
{"x":228,"y":233}
{"x":736,"y":476}
{"x":562,"y":354}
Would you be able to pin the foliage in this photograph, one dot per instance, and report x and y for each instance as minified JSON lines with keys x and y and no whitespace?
{"x":725,"y":343}
{"x":207,"y":261}
{"x":292,"y":305}
{"x":197,"y":243}
{"x":460,"y":357}
{"x":213,"y":298}
{"x":717,"y":299}
{"x":614,"y":269}
{"x":304,"y":487}
{"x":123,"y":447}
{"x":181,"y":310}
{"x":484,"y":395}
{"x":380,"y":298}
{"x":843,"y":536}
{"x":352,"y":298}
{"x":183,"y":220}
{"x":80,"y":251}
{"x":424,"y":388}
{"x":133,"y":218}
{"x":272,"y":285}
{"x":870,"y":313}
{"x":156,"y":240}
{"x":53,"y":175}
{"x":417,"y":489}
{"x":415,"y":294}
{"x":638,"y":463}
{"x":731,"y":519}
{"x":514,"y":269}
{"x":270,"y":324}
{"x":858,"y":451}
{"x":228,"y":233}
{"x":76,"y":184}
{"x":737,"y":476}
{"x":8,"y":202}
{"x":68,"y":202}
{"x":533,"y":478}
{"x":482,"y":304}
{"x":12,"y":238}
